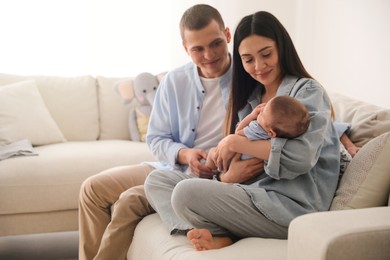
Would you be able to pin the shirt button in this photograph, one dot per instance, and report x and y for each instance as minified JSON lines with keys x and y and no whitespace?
{"x":193,"y":129}
{"x":197,"y":107}
{"x":203,"y":91}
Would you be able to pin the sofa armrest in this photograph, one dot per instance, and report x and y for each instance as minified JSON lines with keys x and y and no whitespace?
{"x":347,"y":234}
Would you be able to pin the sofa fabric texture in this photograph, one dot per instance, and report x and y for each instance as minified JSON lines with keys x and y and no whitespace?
{"x":366,"y":182}
{"x":24,"y":116}
{"x":88,"y":134}
{"x":39,"y":194}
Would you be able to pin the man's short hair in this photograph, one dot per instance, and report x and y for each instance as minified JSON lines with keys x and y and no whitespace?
{"x":198,"y":17}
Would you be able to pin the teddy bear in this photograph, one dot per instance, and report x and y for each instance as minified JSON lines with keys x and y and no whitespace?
{"x":143,"y":88}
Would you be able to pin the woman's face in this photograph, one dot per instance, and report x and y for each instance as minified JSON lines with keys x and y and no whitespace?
{"x":259,"y":56}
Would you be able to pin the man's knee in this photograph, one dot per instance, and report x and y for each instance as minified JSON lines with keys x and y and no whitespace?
{"x":134,"y":199}
{"x":86,"y":188}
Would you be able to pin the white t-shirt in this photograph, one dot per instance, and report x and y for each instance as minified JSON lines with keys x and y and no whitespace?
{"x":212,"y":115}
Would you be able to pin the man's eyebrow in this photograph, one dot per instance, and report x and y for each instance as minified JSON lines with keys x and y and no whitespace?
{"x":196,"y":47}
{"x":215,"y":41}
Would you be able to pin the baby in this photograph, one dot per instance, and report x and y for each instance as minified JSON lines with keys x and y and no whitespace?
{"x":281,"y":116}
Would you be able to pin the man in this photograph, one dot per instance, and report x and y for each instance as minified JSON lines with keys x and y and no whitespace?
{"x":180,"y":132}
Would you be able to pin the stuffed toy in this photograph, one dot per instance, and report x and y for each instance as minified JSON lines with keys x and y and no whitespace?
{"x":143,"y":88}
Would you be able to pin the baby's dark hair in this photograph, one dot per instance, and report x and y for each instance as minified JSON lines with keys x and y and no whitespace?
{"x":290,"y":118}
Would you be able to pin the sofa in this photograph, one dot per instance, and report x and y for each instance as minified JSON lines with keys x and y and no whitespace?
{"x":74,"y":127}
{"x":77,"y":126}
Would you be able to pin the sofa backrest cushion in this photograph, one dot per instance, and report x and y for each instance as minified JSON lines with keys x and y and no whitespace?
{"x":367,"y":120}
{"x":72,"y":102}
{"x":366,"y":181}
{"x":114,"y":111}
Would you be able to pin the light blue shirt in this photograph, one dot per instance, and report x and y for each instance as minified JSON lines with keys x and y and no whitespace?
{"x":301,"y":174}
{"x":254,"y":131}
{"x":176,"y":111}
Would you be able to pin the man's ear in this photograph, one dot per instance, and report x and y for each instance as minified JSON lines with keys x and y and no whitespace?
{"x":271,"y":133}
{"x":228,"y":34}
{"x":185,"y":47}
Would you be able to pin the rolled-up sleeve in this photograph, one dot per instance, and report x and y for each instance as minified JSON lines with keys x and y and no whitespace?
{"x":293,"y":157}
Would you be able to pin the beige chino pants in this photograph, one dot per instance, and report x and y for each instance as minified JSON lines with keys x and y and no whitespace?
{"x":111,"y":204}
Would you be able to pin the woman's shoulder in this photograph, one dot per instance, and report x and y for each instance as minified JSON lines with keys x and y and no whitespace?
{"x":291,"y":85}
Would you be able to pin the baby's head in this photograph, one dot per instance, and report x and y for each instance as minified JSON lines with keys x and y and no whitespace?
{"x":284,"y":116}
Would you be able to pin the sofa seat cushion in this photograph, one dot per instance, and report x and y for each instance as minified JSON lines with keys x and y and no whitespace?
{"x":51,"y":180}
{"x":152,"y":241}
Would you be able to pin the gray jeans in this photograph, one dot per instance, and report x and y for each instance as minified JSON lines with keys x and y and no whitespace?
{"x":185,"y":201}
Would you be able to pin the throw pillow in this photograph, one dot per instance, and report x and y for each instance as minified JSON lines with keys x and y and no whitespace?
{"x":367,"y":120}
{"x":345,"y":159}
{"x":366,"y":181}
{"x":24,"y":115}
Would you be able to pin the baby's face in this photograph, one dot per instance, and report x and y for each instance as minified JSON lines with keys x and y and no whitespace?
{"x":263,"y":118}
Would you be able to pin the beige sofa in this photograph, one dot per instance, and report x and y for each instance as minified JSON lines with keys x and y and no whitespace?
{"x":84,"y":126}
{"x":89,"y":134}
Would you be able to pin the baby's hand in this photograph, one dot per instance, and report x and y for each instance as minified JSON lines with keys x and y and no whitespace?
{"x":256,"y":111}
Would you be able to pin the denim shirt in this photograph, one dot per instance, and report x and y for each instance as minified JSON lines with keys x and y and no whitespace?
{"x":176,"y":111}
{"x":301,"y":174}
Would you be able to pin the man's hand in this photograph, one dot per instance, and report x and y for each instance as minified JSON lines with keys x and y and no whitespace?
{"x":242,"y":170}
{"x":192,"y":157}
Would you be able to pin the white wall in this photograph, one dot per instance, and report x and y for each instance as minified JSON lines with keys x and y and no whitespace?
{"x":345,"y":44}
{"x":77,"y":37}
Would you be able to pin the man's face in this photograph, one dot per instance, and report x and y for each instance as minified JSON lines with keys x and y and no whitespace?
{"x":208,"y":49}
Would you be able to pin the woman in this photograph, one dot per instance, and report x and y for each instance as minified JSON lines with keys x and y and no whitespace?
{"x":300,"y":174}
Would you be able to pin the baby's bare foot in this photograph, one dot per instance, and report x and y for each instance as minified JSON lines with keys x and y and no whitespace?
{"x":202,"y":239}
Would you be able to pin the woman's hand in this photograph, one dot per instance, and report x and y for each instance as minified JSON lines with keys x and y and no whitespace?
{"x":242,"y":170}
{"x":223,"y":152}
{"x":192,"y":157}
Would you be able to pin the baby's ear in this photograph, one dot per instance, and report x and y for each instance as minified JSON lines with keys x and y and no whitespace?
{"x":271,"y":133}
{"x":125,"y":89}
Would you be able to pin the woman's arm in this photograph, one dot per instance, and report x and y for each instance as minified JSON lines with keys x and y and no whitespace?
{"x":232,"y":144}
{"x":242,"y":170}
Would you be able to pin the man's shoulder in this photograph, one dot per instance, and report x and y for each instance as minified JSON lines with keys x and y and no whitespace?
{"x":182,"y":77}
{"x":186,"y":69}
